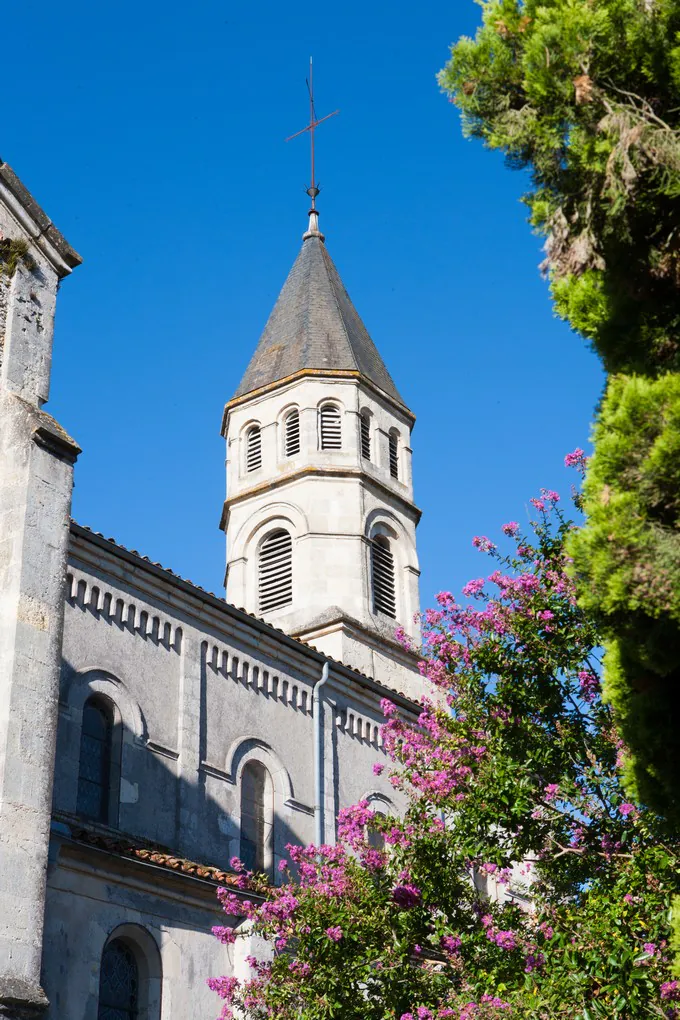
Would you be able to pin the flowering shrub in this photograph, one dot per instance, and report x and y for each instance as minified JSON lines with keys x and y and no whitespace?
{"x":520,"y":882}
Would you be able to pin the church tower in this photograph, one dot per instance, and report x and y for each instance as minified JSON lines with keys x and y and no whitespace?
{"x":319,"y":517}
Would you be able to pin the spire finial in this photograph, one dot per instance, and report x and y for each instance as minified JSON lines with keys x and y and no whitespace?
{"x":313,"y":189}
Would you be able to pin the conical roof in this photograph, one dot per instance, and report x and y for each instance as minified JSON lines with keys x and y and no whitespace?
{"x":314,"y":325}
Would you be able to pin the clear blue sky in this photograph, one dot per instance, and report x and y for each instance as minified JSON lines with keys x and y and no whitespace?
{"x":153,"y":135}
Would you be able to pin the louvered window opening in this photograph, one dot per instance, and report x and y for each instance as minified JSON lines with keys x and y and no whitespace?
{"x":275,"y":588}
{"x":365,"y":426}
{"x":382,"y":575}
{"x":394,"y":456}
{"x":331,"y":428}
{"x":254,"y":449}
{"x":292,"y":436}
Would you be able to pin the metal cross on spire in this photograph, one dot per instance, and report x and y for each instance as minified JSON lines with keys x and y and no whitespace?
{"x":313,"y":189}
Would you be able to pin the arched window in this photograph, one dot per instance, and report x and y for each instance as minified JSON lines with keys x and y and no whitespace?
{"x":394,"y":454}
{"x":118,"y":983}
{"x":96,"y":793}
{"x":256,"y":823}
{"x":375,"y":837}
{"x":382,"y":577}
{"x":291,"y":441}
{"x":330,"y":427}
{"x":365,"y":426}
{"x":253,"y":448}
{"x":275,"y":581}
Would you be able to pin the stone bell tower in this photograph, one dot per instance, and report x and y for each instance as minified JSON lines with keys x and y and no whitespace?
{"x":36,"y":478}
{"x":319,"y":516}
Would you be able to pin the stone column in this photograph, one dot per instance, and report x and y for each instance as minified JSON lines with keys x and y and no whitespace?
{"x":36,"y":478}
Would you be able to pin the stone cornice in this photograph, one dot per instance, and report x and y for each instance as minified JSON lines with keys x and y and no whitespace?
{"x":36,"y":223}
{"x":315,"y":373}
{"x":312,"y":471}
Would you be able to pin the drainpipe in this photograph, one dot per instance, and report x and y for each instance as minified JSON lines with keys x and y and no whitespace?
{"x":318,"y":756}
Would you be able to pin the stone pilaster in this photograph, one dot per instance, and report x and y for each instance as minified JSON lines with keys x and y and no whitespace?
{"x":36,"y":479}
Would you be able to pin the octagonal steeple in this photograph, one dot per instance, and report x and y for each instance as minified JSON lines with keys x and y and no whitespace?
{"x":315,"y":326}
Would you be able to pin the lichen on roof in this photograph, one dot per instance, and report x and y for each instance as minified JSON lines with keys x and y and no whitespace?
{"x":314,"y":325}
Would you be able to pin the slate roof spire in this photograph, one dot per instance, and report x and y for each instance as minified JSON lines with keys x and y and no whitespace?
{"x":315,"y":326}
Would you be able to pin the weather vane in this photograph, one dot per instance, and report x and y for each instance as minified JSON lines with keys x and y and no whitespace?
{"x":313,"y":189}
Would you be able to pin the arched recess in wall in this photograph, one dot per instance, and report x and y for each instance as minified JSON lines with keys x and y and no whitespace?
{"x":251,"y":447}
{"x":379,"y":805}
{"x":98,"y":681}
{"x":330,"y":425}
{"x":130,"y":975}
{"x":264,"y":789}
{"x":247,"y":749}
{"x":90,"y":689}
{"x":244,"y":545}
{"x":366,"y":434}
{"x":386,"y":526}
{"x":99,"y":761}
{"x":289,"y":425}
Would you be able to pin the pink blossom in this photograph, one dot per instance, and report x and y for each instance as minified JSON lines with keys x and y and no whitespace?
{"x":670,"y":991}
{"x":334,"y":933}
{"x":378,"y":769}
{"x":225,"y":987}
{"x":506,"y":939}
{"x":589,"y":684}
{"x":227,"y":936}
{"x":483,"y":543}
{"x":236,"y":864}
{"x":510,"y":529}
{"x":551,"y":791}
{"x":576,"y":459}
{"x":406,"y":896}
{"x":537,"y":503}
{"x":626,"y":809}
{"x":473,"y":587}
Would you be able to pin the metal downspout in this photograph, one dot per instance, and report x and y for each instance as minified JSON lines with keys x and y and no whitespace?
{"x":318,"y":757}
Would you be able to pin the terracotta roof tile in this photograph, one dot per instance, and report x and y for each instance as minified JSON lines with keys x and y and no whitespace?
{"x":125,"y":846}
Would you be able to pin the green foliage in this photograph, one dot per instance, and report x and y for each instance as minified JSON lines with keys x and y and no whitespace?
{"x":628,"y":563}
{"x":511,"y":785}
{"x":585,"y":94}
{"x":12,"y":252}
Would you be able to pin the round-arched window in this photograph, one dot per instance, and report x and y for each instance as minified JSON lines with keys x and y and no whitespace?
{"x":95,"y":774}
{"x":382,"y":577}
{"x":330,"y":427}
{"x":275,"y":571}
{"x":118,"y":983}
{"x":365,"y":431}
{"x":394,"y":454}
{"x":256,"y":821}
{"x":291,"y":430}
{"x":253,"y":448}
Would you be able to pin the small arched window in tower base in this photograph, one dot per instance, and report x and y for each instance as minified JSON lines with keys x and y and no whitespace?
{"x":275,"y":573}
{"x":382,"y":577}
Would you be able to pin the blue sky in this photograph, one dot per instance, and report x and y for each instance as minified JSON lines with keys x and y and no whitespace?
{"x":153,"y":135}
